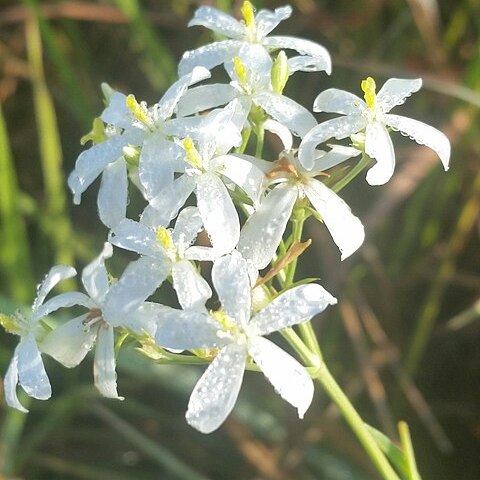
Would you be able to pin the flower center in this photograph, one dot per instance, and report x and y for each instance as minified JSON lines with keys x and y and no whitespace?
{"x":193,"y":156}
{"x":369,"y":87}
{"x":139,"y":111}
{"x":164,"y":237}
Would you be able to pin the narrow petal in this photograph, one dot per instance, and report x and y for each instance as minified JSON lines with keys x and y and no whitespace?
{"x":305,"y":63}
{"x":202,"y":254}
{"x":218,"y":22}
{"x":54,"y":276}
{"x":292,"y":307}
{"x":290,"y":379}
{"x":70,"y":343}
{"x":188,"y":224}
{"x":136,"y":237}
{"x":423,"y":134}
{"x":105,"y":377}
{"x":334,"y":100}
{"x":117,"y":112}
{"x":395,"y":91}
{"x":91,"y":163}
{"x":31,"y":372}
{"x":209,"y":56}
{"x":286,"y":111}
{"x":168,"y":102}
{"x":215,"y":394}
{"x":64,"y":300}
{"x":10,"y":382}
{"x":95,"y":275}
{"x":145,"y":318}
{"x":139,"y":280}
{"x":113,"y":194}
{"x":267,"y":20}
{"x":205,"y":97}
{"x":192,"y":290}
{"x":338,"y":128}
{"x":262,"y":232}
{"x":165,"y":206}
{"x":243,"y":173}
{"x":319,"y":57}
{"x":282,"y":132}
{"x":345,"y":228}
{"x":218,"y":213}
{"x":156,"y":164}
{"x":187,"y":330}
{"x":231,"y":281}
{"x":378,"y":145}
{"x":338,"y":154}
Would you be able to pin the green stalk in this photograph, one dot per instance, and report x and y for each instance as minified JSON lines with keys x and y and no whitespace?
{"x":260,"y":132}
{"x":408,"y":451}
{"x":358,"y":168}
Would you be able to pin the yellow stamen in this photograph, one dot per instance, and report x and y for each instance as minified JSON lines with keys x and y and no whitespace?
{"x":193,"y":157}
{"x":248,"y":13}
{"x":369,"y":87}
{"x":224,"y":320}
{"x":164,"y":237}
{"x":138,"y":111}
{"x":240,"y":71}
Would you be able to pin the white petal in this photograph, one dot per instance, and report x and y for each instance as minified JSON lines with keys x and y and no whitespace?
{"x":267,"y":20}
{"x":319,"y":57}
{"x":395,"y":91}
{"x":156,"y":164}
{"x":168,"y":102}
{"x":105,"y":377}
{"x":243,"y":173}
{"x":202,"y":254}
{"x":10,"y":382}
{"x":139,"y":280}
{"x":217,"y":21}
{"x":263,"y":230}
{"x":215,"y":394}
{"x":192,"y":290}
{"x":282,"y":132}
{"x":187,"y":330}
{"x":345,"y":228}
{"x":117,"y":112}
{"x":144,"y":319}
{"x":423,"y":134}
{"x":70,"y":343}
{"x":165,"y":206}
{"x":305,"y":63}
{"x":335,"y":156}
{"x":290,"y":379}
{"x":338,"y":128}
{"x":218,"y":213}
{"x":209,"y":56}
{"x":113,"y":194}
{"x":188,"y":224}
{"x":288,"y":112}
{"x":55,"y":275}
{"x":258,"y":65}
{"x":136,"y":237}
{"x":292,"y":307}
{"x":334,"y":100}
{"x":232,"y":283}
{"x":205,"y":97}
{"x":64,"y":300}
{"x":91,"y":163}
{"x":31,"y":372}
{"x":95,"y":275}
{"x":378,"y":145}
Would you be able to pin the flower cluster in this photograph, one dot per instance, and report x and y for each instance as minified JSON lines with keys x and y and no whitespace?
{"x":187,"y":155}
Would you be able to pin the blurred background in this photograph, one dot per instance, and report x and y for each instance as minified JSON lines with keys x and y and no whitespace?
{"x":404,"y":339}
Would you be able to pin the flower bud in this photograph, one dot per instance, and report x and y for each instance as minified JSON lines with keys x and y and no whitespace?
{"x":280,"y":72}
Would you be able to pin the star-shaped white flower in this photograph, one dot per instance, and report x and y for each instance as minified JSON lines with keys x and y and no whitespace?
{"x":239,"y":333}
{"x":26,"y":367}
{"x":253,"y":30}
{"x":372,"y":117}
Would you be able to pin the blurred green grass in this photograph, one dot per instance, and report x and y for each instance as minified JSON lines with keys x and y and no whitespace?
{"x":418,"y":269}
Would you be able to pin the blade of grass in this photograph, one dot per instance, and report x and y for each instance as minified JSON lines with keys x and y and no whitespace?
{"x":55,"y":219}
{"x":412,"y":472}
{"x":15,"y":255}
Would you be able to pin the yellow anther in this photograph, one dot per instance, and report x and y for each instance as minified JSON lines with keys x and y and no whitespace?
{"x":369,"y":87}
{"x":193,"y":157}
{"x":164,"y":237}
{"x":248,"y":13}
{"x":224,"y":321}
{"x":240,"y":71}
{"x":138,"y":111}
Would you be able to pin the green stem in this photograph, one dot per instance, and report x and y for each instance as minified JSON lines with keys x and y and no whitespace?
{"x":260,"y":132}
{"x":358,"y":426}
{"x":358,"y":168}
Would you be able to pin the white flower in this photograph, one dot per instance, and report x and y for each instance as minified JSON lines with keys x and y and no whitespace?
{"x":372,"y":117}
{"x":130,"y":124}
{"x":238,"y":334}
{"x":70,"y":342}
{"x":250,"y":71}
{"x":26,"y":367}
{"x":264,"y":229}
{"x":253,"y":30}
